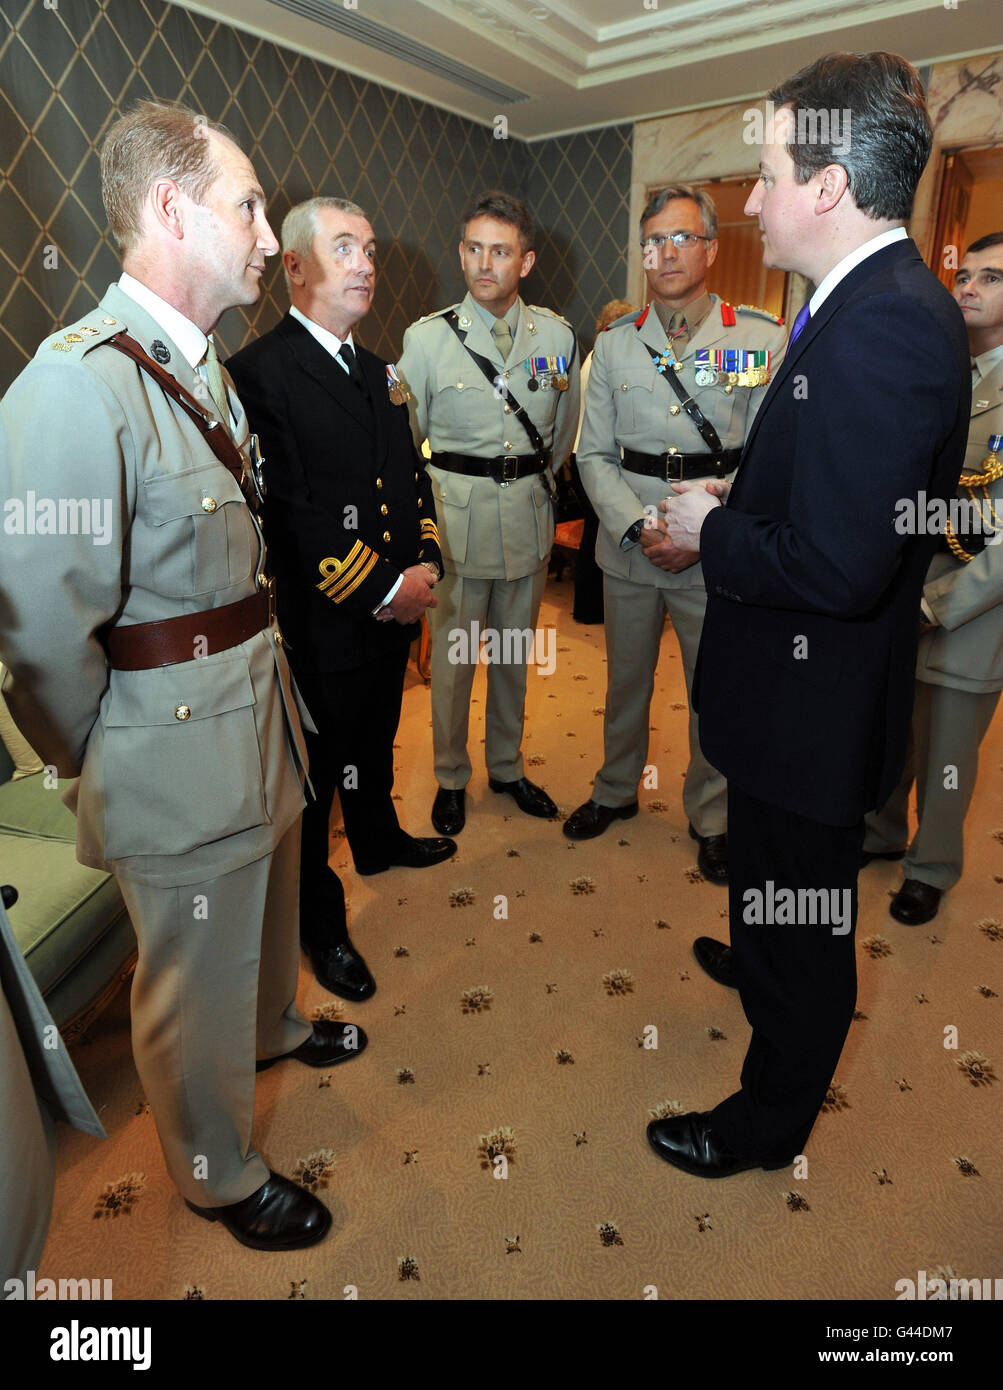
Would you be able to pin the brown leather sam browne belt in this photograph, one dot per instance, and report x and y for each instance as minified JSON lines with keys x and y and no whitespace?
{"x":141,"y":646}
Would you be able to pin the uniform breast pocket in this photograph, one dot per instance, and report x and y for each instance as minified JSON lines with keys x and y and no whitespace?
{"x":204,"y":538}
{"x":458,"y":394}
{"x":633,"y":398}
{"x":452,"y":492}
{"x":182,"y":766}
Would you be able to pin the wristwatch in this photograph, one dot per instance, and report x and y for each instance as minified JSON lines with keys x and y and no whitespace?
{"x":432,"y":568}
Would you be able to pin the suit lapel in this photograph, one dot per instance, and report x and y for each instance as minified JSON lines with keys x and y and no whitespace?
{"x":989,"y":389}
{"x":375,"y":373}
{"x":317,"y":363}
{"x":844,"y":291}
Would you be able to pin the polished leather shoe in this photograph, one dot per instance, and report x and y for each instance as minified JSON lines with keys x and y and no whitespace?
{"x":712,"y":856}
{"x":915,"y":903}
{"x":689,"y":1143}
{"x":413,"y":853}
{"x":341,"y":970}
{"x":591,"y":819}
{"x":281,"y":1215}
{"x":448,"y":813}
{"x":868,"y":856}
{"x":528,"y":797}
{"x":715,"y":958}
{"x":328,"y":1044}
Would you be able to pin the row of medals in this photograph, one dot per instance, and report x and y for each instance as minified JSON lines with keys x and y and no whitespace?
{"x":705,"y":375}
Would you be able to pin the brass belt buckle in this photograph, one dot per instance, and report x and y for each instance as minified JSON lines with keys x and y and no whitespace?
{"x":671,"y":477}
{"x":509,"y":475}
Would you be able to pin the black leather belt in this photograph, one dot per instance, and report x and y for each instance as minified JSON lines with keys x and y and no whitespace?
{"x":505,"y":469}
{"x":674,"y":468}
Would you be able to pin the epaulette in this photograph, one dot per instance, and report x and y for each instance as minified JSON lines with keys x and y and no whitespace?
{"x":632,"y":317}
{"x":754,"y":309}
{"x":436,"y":314}
{"x":89,"y":332}
{"x":551,"y":313}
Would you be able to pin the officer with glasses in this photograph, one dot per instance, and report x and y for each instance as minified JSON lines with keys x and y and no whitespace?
{"x":672,"y":391}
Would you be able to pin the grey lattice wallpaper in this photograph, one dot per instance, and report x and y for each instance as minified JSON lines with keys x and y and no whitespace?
{"x":67,"y":72}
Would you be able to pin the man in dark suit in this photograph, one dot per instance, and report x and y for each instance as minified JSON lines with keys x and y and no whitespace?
{"x":351,"y":526}
{"x":804,"y":682}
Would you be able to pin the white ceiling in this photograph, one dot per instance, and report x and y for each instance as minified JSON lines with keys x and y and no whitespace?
{"x":581,"y":63}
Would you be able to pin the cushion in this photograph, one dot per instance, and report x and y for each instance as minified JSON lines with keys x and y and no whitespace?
{"x":26,"y":761}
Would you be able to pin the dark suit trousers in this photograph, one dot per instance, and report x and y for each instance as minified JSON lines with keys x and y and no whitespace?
{"x":357,"y":713}
{"x":798,"y":982}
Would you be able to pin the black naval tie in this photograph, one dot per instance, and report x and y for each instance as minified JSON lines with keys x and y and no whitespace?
{"x":354,"y":370}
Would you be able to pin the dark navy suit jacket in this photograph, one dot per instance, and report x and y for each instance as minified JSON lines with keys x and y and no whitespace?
{"x":804,"y":682}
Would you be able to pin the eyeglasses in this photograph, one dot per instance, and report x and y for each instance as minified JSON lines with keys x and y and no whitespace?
{"x":680,"y":240}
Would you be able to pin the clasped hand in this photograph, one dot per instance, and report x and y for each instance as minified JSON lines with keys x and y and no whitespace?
{"x":673,"y":544}
{"x":411,"y":599}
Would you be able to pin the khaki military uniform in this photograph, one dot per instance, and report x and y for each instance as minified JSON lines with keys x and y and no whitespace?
{"x":628,"y":405}
{"x":495,"y":539}
{"x":190,"y":775}
{"x":959,"y":676}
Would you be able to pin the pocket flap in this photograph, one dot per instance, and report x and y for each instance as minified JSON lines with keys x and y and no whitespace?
{"x":453,"y":488}
{"x":461,"y":379}
{"x":204,"y":687}
{"x":176,"y":495}
{"x":627,"y":378}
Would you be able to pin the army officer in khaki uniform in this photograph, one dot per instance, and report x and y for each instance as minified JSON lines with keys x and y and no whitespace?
{"x":495,"y":389}
{"x":671,"y":394}
{"x":959,"y":670}
{"x":144,"y":657}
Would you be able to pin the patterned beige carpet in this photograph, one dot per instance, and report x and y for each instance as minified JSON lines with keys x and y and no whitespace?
{"x":517,"y":986}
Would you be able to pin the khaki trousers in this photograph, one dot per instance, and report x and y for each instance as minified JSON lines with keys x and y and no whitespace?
{"x":214,"y":989}
{"x":498,"y":604}
{"x":947,"y":727}
{"x":635,"y":618}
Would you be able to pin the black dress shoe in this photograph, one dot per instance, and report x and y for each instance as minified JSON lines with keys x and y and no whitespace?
{"x":867,"y":856}
{"x":413,"y":853}
{"x":341,"y":970}
{"x":712,"y":856}
{"x":281,"y":1215}
{"x":715,"y":958}
{"x":689,"y":1143}
{"x":448,"y":814}
{"x":528,"y":797}
{"x":915,"y":903}
{"x":328,"y":1044}
{"x":591,"y":819}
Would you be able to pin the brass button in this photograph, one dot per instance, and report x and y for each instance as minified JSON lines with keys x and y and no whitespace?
{"x":379,"y":481}
{"x":182,"y":712}
{"x":728,"y":389}
{"x":674,"y":409}
{"x":677,"y":366}
{"x":459,"y":386}
{"x":383,"y":509}
{"x":278,"y":639}
{"x":209,"y":504}
{"x":624,"y":386}
{"x":508,"y":410}
{"x":419,"y":504}
{"x":107,"y":320}
{"x":386,"y":535}
{"x":673,"y":449}
{"x":262,"y":580}
{"x":508,"y":444}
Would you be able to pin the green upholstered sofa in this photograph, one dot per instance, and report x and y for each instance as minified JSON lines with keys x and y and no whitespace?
{"x":70,"y":921}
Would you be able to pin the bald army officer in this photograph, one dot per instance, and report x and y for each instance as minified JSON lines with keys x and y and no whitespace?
{"x":720,"y":358}
{"x":497,"y":429}
{"x":146,"y":660}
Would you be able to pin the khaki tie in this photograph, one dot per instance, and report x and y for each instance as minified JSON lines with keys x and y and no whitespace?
{"x":217,"y":390}
{"x":502,"y":335}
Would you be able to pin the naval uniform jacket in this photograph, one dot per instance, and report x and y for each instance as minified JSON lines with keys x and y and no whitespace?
{"x":804,"y":682}
{"x":348,"y":502}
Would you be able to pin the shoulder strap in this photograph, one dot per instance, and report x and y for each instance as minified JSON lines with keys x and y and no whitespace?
{"x":212,"y":431}
{"x":535,"y":437}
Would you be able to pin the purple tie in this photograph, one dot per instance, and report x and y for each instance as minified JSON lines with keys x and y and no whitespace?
{"x":804,"y":314}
